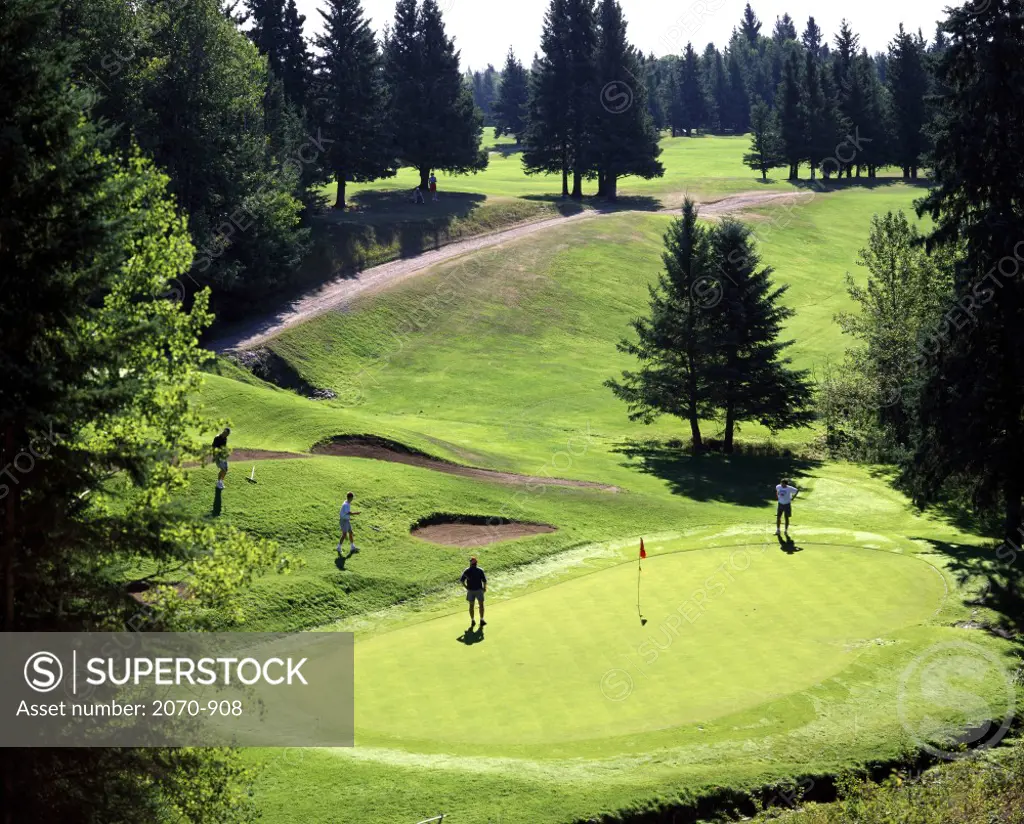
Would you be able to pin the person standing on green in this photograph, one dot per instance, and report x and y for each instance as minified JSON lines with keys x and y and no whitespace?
{"x":220,"y":455}
{"x":475,"y":582}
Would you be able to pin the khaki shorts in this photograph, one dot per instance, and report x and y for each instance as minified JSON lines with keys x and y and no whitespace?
{"x":475,"y":595}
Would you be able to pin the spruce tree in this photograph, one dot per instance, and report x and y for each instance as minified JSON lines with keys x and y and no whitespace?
{"x":908,"y":84}
{"x":510,"y":107}
{"x":785,"y":29}
{"x":822,"y":123}
{"x":750,"y":26}
{"x":625,"y":141}
{"x":692,"y":110}
{"x":971,"y":407}
{"x":793,"y":125}
{"x":752,"y":379}
{"x":584,"y":93}
{"x":436,"y":125}
{"x":676,"y":344}
{"x":352,"y":98}
{"x":739,"y":103}
{"x":548,"y":125}
{"x":767,"y":150}
{"x":296,"y":60}
{"x":813,"y":38}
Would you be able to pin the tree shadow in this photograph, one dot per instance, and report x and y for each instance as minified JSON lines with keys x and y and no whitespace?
{"x":836,"y":184}
{"x":995,"y":577}
{"x":624,"y":203}
{"x":471,"y":636}
{"x":506,"y":149}
{"x":745,"y":480}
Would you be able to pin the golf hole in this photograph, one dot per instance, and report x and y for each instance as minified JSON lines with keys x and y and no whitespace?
{"x":466,"y":531}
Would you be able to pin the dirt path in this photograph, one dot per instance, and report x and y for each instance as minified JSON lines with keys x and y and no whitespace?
{"x":338,"y":294}
{"x":379,"y":450}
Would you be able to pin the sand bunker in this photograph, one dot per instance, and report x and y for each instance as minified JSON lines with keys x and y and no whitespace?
{"x":466,"y":531}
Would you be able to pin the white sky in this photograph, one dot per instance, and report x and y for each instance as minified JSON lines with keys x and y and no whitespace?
{"x":484,"y":29}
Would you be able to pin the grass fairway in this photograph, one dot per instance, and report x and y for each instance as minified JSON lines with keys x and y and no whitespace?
{"x":760,"y":661}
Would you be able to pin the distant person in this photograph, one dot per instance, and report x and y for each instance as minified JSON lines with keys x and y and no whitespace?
{"x":220,"y":455}
{"x":785,"y":494}
{"x":346,"y":525}
{"x":417,"y":196}
{"x":475,"y":582}
{"x":433,"y":186}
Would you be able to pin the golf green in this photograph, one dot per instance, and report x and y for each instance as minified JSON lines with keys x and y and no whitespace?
{"x":728,"y":629}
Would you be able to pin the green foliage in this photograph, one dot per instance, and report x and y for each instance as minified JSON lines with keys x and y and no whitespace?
{"x":766,"y":146}
{"x":908,"y":84}
{"x":510,"y":107}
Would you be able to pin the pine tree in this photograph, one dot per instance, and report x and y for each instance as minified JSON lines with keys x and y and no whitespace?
{"x":510,"y":107}
{"x":625,"y":141}
{"x":584,"y":93}
{"x":436,"y":124}
{"x":489,"y":93}
{"x":785,"y":29}
{"x":908,"y":84}
{"x":676,"y":344}
{"x":767,"y":150}
{"x":822,"y":119}
{"x":750,"y":26}
{"x":739,"y":102}
{"x":793,"y":116}
{"x":548,"y":127}
{"x":353,"y":98}
{"x":719,"y":94}
{"x":752,"y":379}
{"x":971,"y":407}
{"x":296,"y":60}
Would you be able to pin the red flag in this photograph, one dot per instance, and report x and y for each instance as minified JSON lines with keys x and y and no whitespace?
{"x":643,"y":552}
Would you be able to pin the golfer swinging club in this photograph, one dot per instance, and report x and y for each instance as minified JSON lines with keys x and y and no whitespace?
{"x":346,"y":524}
{"x":785,"y":493}
{"x":475,"y":582}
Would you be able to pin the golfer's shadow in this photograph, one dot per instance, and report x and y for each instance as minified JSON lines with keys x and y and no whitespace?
{"x":218,"y":503}
{"x":788,"y":545}
{"x":471,"y":636}
{"x":339,"y":562}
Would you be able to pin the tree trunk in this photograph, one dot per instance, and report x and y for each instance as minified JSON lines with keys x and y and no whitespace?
{"x":764,"y":174}
{"x":730,"y":426}
{"x":565,"y":175}
{"x":342,"y":183}
{"x":425,"y":177}
{"x":602,"y":184}
{"x":794,"y":172}
{"x":577,"y":185}
{"x":611,"y":187}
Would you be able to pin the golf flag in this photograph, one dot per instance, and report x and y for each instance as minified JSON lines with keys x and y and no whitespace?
{"x":639,"y":569}
{"x":643,"y":552}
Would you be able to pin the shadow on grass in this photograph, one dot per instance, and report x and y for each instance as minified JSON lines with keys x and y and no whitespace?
{"x":625,"y":203}
{"x":506,"y":149}
{"x":788,"y":545}
{"x":745,"y":480}
{"x":835,"y":184}
{"x":471,"y":636}
{"x":995,"y":573}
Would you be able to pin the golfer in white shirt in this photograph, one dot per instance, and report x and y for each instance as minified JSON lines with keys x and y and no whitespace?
{"x":785,"y":494}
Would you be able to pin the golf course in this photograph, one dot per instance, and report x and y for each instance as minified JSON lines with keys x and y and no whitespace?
{"x":473,"y":389}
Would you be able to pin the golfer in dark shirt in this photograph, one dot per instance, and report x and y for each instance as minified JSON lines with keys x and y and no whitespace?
{"x":220,"y":455}
{"x":475,"y":582}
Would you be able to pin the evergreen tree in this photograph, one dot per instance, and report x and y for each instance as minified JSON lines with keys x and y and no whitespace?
{"x":510,"y":107}
{"x":676,"y":344}
{"x":785,"y":29}
{"x":708,"y":86}
{"x":751,"y":379}
{"x":793,"y":116}
{"x":98,"y":375}
{"x":767,"y":150}
{"x":353,"y":98}
{"x":489,"y":93}
{"x":750,"y":26}
{"x":625,"y":141}
{"x":813,"y":38}
{"x":971,"y":407}
{"x":908,"y":84}
{"x":296,"y":60}
{"x":436,"y":124}
{"x":584,"y":93}
{"x":691,"y":111}
{"x":822,"y":121}
{"x":548,"y":124}
{"x":739,"y":102}
{"x":719,"y":94}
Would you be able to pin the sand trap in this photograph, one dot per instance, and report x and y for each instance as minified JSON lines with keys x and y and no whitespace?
{"x":380,"y":449}
{"x":466,"y":531}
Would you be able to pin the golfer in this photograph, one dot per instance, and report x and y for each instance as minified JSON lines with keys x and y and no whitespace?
{"x":475,"y":582}
{"x":785,"y":494}
{"x":346,"y":524}
{"x":433,"y":186}
{"x":220,"y":455}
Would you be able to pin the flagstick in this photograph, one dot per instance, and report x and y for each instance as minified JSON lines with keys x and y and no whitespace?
{"x":639,"y":569}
